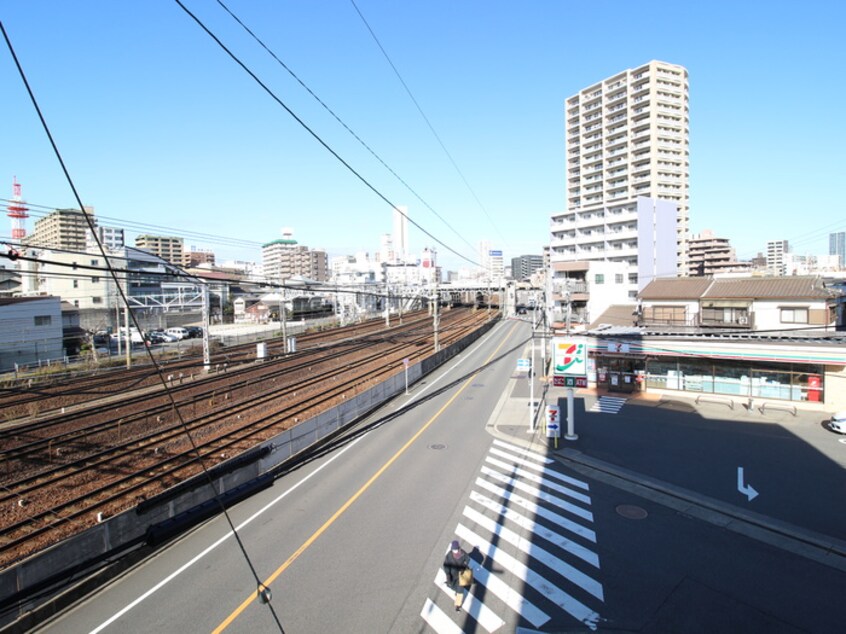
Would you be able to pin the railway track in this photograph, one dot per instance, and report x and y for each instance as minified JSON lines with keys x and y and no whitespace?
{"x":31,"y":397}
{"x":56,"y":484}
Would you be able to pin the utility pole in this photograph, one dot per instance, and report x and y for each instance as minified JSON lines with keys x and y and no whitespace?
{"x":436,"y":321}
{"x":206,"y":352}
{"x":282,"y":317}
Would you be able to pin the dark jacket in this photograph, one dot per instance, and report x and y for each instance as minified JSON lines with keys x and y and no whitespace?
{"x":453,"y":565}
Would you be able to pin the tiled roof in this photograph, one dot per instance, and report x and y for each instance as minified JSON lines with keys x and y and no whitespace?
{"x":789,"y":287}
{"x":676,"y":288}
{"x":615,"y":315}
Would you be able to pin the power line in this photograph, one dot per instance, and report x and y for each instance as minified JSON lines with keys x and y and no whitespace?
{"x":340,"y":121}
{"x":260,"y":587}
{"x":314,"y":135}
{"x":426,"y":119}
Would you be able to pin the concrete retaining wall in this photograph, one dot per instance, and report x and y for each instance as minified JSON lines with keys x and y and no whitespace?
{"x":43,"y":584}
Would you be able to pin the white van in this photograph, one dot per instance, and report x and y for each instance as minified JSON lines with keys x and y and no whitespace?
{"x":178,"y":332}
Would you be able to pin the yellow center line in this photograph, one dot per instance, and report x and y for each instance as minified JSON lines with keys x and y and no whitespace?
{"x":252,"y":597}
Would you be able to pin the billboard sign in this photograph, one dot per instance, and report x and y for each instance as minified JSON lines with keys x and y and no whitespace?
{"x":569,"y":357}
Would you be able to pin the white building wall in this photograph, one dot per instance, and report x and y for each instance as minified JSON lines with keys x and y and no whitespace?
{"x":30,"y":331}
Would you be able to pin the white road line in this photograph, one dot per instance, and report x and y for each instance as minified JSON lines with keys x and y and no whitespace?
{"x":552,"y":472}
{"x":486,"y":617}
{"x":572,"y":574}
{"x":217,"y":543}
{"x":540,"y":495}
{"x":585,"y":554}
{"x":437,"y":620}
{"x":569,"y":604}
{"x":510,"y":596}
{"x":535,"y":509}
{"x":533,"y":477}
{"x":523,"y":451}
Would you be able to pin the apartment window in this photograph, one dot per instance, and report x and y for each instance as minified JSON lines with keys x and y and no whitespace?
{"x":794,"y":315}
{"x":76,"y":283}
{"x":94,"y":262}
{"x":599,"y":278}
{"x":96,"y":300}
{"x":618,"y":278}
{"x":95,"y":280}
{"x":43,"y":320}
{"x":76,"y":303}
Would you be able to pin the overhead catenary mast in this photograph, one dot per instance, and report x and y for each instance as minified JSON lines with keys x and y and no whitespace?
{"x":17,"y":211}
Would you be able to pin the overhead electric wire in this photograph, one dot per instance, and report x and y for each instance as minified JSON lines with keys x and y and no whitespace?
{"x":340,"y":121}
{"x":259,"y":585}
{"x":314,"y":135}
{"x":140,"y":226}
{"x":426,"y":119}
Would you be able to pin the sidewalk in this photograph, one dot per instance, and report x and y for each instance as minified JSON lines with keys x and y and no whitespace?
{"x":510,"y":422}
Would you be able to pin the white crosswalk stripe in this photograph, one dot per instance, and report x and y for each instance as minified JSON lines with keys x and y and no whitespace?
{"x":514,"y":521}
{"x":608,"y":404}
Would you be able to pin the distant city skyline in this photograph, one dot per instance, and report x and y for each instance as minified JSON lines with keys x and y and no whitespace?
{"x":221,"y":158}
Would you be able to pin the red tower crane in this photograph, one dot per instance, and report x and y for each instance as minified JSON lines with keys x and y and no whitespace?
{"x":17,"y":211}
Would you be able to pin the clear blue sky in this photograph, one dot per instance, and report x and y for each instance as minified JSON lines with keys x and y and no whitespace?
{"x":159,"y":127}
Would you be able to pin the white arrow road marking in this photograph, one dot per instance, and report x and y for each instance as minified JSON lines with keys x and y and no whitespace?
{"x":745,"y":489}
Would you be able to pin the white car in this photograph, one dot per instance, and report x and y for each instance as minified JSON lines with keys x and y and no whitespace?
{"x":178,"y":332}
{"x":838,"y":422}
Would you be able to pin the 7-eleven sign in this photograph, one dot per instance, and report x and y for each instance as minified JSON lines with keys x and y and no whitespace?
{"x":569,"y":357}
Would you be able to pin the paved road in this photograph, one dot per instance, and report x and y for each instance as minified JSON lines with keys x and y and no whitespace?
{"x":561,"y":541}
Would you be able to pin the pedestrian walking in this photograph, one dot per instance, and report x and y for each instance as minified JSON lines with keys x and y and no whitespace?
{"x":459,"y":574}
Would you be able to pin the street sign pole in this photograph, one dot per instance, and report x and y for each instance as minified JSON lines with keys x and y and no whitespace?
{"x":532,"y":389}
{"x":571,"y":433}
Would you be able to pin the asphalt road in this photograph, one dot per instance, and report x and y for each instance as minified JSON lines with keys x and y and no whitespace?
{"x":353,"y":541}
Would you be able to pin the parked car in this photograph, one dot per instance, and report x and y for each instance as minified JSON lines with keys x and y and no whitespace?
{"x":162,"y":336}
{"x":194,"y":332}
{"x":178,"y":332}
{"x":101,"y":338}
{"x":838,"y":422}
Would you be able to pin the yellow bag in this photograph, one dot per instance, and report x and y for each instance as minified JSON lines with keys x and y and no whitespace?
{"x":465,"y":578}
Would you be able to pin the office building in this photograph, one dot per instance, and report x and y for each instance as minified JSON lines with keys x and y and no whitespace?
{"x":627,"y":178}
{"x":837,"y":246}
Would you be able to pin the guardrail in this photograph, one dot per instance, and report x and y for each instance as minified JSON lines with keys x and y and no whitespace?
{"x":780,"y":406}
{"x":724,"y":400}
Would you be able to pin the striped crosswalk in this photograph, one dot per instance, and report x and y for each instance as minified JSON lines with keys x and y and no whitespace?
{"x":528,"y":527}
{"x":608,"y":404}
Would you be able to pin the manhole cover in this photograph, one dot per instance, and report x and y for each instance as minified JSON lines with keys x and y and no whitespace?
{"x":631,"y":512}
{"x":437,"y":446}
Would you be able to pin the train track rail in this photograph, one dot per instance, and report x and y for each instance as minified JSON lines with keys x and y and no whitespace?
{"x":32,"y":397}
{"x":62,"y":482}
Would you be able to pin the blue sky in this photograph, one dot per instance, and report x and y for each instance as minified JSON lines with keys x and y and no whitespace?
{"x":162,"y":132}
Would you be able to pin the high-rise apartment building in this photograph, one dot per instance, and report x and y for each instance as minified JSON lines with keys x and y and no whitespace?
{"x":283,"y":259}
{"x":837,"y":246}
{"x":776,"y":252}
{"x":400,"y":234}
{"x":708,"y":254}
{"x":62,"y":229}
{"x":168,"y":248}
{"x":111,"y":238}
{"x":627,"y":176}
{"x":522,"y":267}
